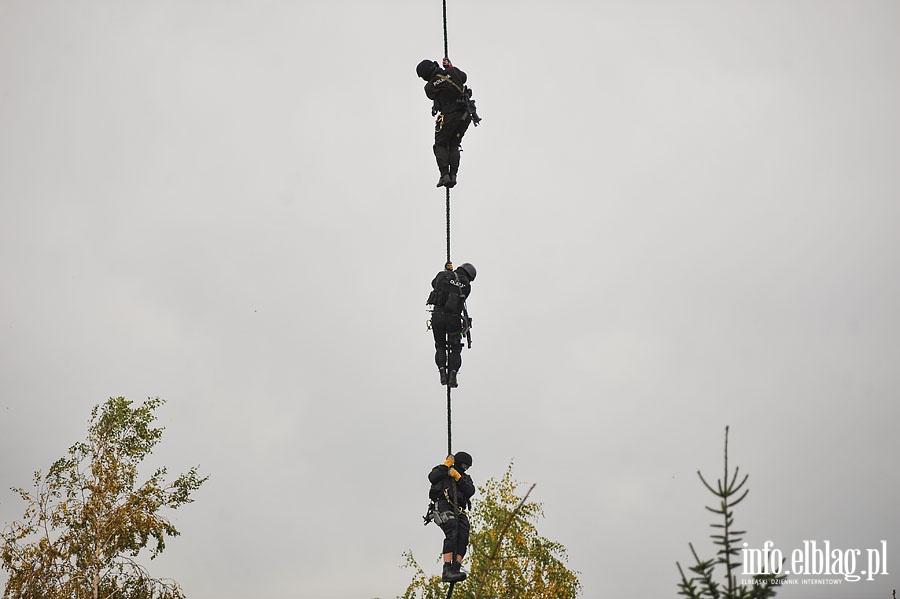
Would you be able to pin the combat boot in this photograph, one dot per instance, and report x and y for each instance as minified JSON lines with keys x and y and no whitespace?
{"x":443,"y":372}
{"x":451,"y":573}
{"x":454,"y":164}
{"x":451,"y":379}
{"x":442,"y":157}
{"x":460,"y":573}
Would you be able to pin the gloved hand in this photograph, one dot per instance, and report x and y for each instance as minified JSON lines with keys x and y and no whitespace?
{"x":446,"y":63}
{"x":456,"y":475}
{"x":435,"y":109}
{"x":449,"y":461}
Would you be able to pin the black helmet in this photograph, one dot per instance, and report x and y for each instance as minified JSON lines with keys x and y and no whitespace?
{"x":469,"y":270}
{"x":461,"y":457}
{"x":426,"y":69}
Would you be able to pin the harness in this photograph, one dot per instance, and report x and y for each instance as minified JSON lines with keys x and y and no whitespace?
{"x":458,"y":508}
{"x":465,"y":99}
{"x":460,"y":89}
{"x":432,"y":514}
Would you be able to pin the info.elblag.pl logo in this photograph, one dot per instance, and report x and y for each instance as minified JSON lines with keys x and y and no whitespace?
{"x":816,"y":559}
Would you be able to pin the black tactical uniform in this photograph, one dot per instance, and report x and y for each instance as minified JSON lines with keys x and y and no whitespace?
{"x":450,"y":288}
{"x":446,"y":89}
{"x":452,"y":490}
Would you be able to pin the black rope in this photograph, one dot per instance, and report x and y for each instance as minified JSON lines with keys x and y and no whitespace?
{"x":448,"y":224}
{"x":454,"y":503}
{"x":449,"y":413}
{"x":449,"y":429}
{"x":446,"y":54}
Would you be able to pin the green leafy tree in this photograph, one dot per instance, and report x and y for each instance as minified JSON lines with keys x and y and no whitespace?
{"x":704,"y":583}
{"x":87,"y":520}
{"x":507,"y":557}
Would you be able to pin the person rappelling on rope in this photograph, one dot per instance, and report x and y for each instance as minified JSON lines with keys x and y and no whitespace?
{"x":451,"y":493}
{"x":450,"y":318}
{"x":454,"y":108}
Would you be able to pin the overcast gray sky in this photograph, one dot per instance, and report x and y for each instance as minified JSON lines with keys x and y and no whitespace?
{"x":683,"y":214}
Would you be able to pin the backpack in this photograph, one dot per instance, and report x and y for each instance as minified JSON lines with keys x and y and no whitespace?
{"x":447,"y":295}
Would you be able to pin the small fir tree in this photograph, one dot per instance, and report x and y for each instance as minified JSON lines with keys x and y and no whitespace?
{"x":704,"y":584}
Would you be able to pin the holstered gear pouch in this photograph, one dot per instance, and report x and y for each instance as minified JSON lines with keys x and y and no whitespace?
{"x":441,"y":518}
